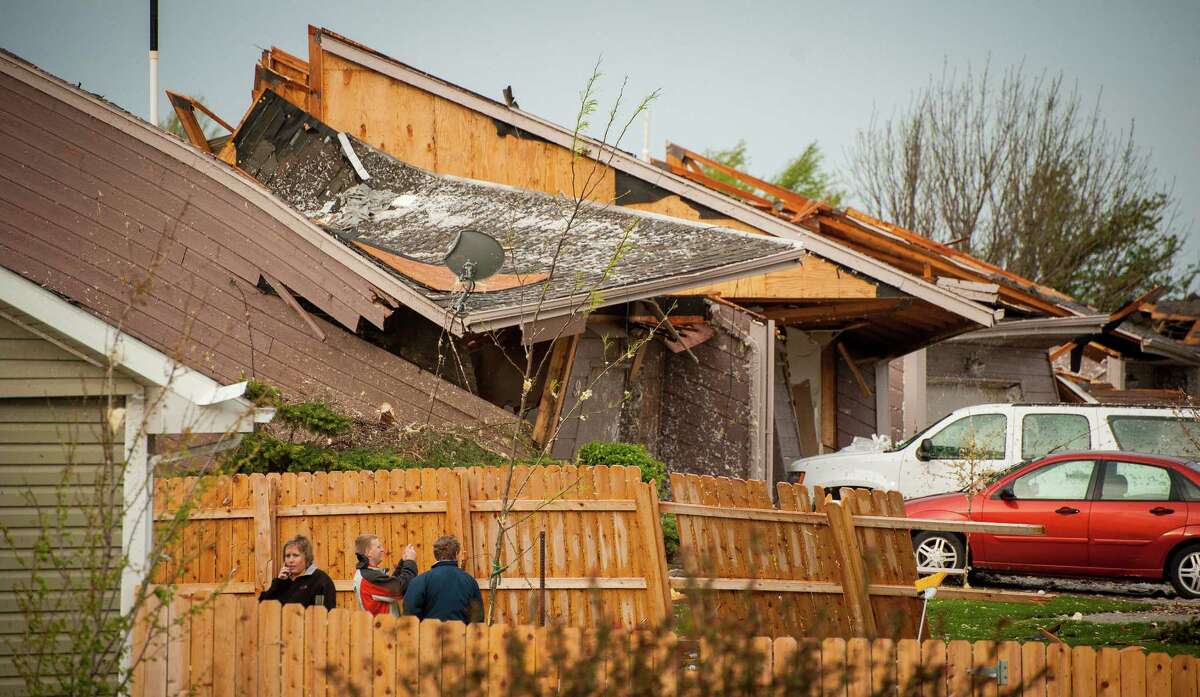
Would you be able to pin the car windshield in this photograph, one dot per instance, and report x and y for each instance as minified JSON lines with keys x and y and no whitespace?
{"x":915,"y":437}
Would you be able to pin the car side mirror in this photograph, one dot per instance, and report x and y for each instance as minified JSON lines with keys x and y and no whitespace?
{"x":1006,"y":494}
{"x":925,"y":450}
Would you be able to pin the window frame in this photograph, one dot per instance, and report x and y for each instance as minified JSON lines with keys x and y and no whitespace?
{"x":1004,"y":440}
{"x":1088,"y":493}
{"x":1111,"y":419}
{"x":1175,"y":495}
{"x":1087,"y":431}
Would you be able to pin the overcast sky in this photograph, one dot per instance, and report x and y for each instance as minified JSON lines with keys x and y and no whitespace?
{"x":778,"y":74}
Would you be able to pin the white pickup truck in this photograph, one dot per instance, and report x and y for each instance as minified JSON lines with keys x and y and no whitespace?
{"x":991,"y":437}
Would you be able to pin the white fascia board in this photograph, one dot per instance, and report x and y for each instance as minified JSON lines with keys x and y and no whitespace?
{"x":1076,"y":390}
{"x":647,"y":172}
{"x":1050,"y":327}
{"x":184,"y":385}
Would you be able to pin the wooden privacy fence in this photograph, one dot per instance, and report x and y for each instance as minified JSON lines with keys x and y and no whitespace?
{"x":603,"y":556}
{"x":812,"y":566}
{"x":236,"y":646}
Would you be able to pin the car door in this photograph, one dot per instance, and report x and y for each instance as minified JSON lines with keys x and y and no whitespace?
{"x":1136,"y":504}
{"x":965,"y":449}
{"x":1055,"y":496}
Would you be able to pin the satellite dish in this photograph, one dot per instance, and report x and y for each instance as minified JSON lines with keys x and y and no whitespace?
{"x":474,"y":256}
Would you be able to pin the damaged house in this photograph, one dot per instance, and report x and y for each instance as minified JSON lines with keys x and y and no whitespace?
{"x":1047,"y":347}
{"x":838,"y":315}
{"x":583,"y":285}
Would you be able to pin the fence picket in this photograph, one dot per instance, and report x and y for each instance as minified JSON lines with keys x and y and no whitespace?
{"x":408,"y":656}
{"x":1133,"y":672}
{"x":292,"y":637}
{"x":224,"y":621}
{"x":383,"y":652}
{"x":1158,"y":675}
{"x":959,"y":665}
{"x":935,"y":668}
{"x":315,"y":657}
{"x":1033,"y":669}
{"x":1184,"y":676}
{"x":1108,"y":672}
{"x":270,"y":617}
{"x":908,"y":668}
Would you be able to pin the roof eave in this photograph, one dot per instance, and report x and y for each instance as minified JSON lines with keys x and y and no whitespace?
{"x":572,"y":304}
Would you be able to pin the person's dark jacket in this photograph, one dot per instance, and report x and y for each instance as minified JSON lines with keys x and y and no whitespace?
{"x":310,"y":588}
{"x":445,"y":592}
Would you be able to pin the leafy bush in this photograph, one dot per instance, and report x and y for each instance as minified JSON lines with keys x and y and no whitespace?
{"x":626,"y":454}
{"x":313,"y":436}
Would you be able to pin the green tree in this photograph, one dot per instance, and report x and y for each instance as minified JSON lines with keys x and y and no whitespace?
{"x":1023,"y":172}
{"x":803,"y":174}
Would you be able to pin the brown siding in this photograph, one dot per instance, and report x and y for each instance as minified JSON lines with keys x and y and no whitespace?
{"x":601,"y":412}
{"x":706,"y":411}
{"x":1027,"y":367}
{"x":856,"y":411}
{"x":173,"y":256}
{"x":896,"y":398}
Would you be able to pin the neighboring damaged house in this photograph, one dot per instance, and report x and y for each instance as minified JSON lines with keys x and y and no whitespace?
{"x":1012,"y":361}
{"x":1151,"y":357}
{"x":853,"y":310}
{"x":579,"y":283}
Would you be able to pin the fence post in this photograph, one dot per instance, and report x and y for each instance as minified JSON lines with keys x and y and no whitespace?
{"x":265,"y":494}
{"x":854,"y":577}
{"x":650,"y":521}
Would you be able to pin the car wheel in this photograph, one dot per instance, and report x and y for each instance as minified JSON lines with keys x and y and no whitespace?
{"x":939,"y":550}
{"x":1184,"y":571}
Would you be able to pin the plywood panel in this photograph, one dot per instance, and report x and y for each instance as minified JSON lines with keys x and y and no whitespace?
{"x":814,"y":279}
{"x":442,"y":136}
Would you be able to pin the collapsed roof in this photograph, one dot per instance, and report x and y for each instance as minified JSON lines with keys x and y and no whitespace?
{"x":561,"y":257}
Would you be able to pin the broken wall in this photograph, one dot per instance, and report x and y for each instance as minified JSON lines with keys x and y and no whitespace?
{"x":856,"y":408}
{"x":961,"y":374}
{"x":712,"y":409}
{"x":595,"y":392}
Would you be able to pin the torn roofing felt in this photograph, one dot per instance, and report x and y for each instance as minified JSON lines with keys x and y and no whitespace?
{"x":405,"y":218}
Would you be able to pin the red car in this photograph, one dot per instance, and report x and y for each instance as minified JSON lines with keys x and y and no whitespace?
{"x":1105,"y":514}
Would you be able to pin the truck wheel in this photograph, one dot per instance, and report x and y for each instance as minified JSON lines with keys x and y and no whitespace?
{"x":1184,"y":571}
{"x":939,"y":550}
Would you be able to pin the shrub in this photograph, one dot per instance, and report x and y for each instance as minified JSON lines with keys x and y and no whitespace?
{"x":627,"y":454}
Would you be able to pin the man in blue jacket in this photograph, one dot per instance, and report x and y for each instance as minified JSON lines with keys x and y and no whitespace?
{"x":445,"y":592}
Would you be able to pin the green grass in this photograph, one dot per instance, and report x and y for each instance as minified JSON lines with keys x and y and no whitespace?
{"x":974,"y":620}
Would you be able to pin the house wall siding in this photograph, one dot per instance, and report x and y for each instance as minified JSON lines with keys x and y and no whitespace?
{"x":979,"y":373}
{"x":856,"y":410}
{"x":51,"y":411}
{"x":174,"y":256}
{"x":706,"y":424}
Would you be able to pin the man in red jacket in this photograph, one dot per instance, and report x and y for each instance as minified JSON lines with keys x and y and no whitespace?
{"x":377,"y":591}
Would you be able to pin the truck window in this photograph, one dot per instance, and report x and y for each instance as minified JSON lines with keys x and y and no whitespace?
{"x":1042,"y":434}
{"x":978,"y":437}
{"x":1161,"y":435}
